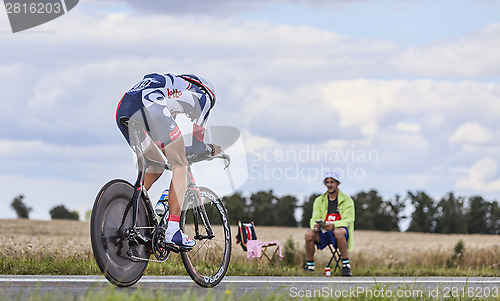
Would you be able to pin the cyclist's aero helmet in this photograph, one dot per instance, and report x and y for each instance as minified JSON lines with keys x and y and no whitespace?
{"x":202,"y":84}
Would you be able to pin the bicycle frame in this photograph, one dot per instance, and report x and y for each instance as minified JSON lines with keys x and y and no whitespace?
{"x":142,"y":163}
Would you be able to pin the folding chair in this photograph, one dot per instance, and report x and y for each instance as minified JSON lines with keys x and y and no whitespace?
{"x":247,"y":238}
{"x":335,"y":256}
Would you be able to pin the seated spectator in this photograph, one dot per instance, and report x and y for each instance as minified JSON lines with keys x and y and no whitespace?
{"x":332,"y":222}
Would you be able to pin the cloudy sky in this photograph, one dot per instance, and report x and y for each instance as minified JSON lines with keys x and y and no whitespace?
{"x":393,"y":95}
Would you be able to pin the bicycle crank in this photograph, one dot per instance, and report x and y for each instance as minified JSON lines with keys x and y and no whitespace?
{"x":160,"y":249}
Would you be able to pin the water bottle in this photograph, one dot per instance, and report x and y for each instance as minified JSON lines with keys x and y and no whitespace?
{"x":161,"y":207}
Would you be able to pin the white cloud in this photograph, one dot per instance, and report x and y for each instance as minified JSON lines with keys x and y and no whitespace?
{"x":43,"y":194}
{"x":435,"y":106}
{"x":28,"y":149}
{"x":284,"y":86}
{"x":38,"y":159}
{"x":471,"y":133}
{"x":470,"y":56}
{"x":482,"y":176}
{"x":254,"y":142}
{"x":356,"y":109}
{"x":408,"y":127}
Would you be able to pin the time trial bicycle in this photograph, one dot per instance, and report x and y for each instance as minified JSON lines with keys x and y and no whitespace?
{"x":126,"y":234}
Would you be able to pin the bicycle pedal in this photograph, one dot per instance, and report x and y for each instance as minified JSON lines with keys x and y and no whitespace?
{"x":185,"y":249}
{"x":176,"y":248}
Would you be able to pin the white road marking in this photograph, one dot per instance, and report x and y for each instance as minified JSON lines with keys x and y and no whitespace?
{"x":182,"y":279}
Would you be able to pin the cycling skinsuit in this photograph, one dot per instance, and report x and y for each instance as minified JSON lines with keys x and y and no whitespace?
{"x":156,"y":100}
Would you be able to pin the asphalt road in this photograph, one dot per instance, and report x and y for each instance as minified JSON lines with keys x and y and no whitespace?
{"x":294,"y":287}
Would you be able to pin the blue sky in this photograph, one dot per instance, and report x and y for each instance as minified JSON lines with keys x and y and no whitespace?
{"x":394,"y":95}
{"x":408,"y":23}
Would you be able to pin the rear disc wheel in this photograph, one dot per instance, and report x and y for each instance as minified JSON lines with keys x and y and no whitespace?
{"x":111,"y":217}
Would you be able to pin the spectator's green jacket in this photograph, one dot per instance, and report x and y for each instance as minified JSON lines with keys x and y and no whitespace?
{"x":346,"y":211}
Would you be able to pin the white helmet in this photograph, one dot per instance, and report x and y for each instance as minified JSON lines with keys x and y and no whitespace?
{"x":203,"y":84}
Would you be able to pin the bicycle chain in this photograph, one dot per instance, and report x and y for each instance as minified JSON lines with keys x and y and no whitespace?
{"x":144,"y":259}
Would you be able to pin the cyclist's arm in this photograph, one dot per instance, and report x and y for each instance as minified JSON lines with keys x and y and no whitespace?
{"x":198,"y":147}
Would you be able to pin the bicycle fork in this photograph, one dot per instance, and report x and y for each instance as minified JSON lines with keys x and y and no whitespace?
{"x":199,"y":212}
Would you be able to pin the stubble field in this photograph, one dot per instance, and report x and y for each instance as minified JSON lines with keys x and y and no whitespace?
{"x":63,"y":239}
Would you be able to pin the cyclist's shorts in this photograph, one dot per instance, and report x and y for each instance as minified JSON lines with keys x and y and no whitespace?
{"x":155,"y":121}
{"x":326,"y":238}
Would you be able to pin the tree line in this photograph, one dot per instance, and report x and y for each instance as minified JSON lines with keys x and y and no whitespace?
{"x":450,"y":214}
{"x":58,"y":212}
{"x":454,"y":214}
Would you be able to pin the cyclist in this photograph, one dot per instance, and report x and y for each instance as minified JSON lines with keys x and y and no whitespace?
{"x":155,"y":102}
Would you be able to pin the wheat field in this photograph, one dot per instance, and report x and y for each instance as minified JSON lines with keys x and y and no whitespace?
{"x":64,"y":238}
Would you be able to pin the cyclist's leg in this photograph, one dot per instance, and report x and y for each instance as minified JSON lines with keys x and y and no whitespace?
{"x":131,"y":106}
{"x":156,"y":128}
{"x":176,"y":156}
{"x":165,"y":133}
{"x":150,"y":178}
{"x":153,"y":173}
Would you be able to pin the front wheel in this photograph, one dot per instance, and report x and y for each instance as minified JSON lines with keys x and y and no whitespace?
{"x":208,"y":261}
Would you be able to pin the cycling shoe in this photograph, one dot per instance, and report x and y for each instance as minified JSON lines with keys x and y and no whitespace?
{"x":180,"y":239}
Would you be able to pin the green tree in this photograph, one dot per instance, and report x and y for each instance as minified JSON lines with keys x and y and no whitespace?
{"x":450,"y":215}
{"x":397,"y":205}
{"x":60,"y":212}
{"x":479,"y":216}
{"x":373,"y":213}
{"x":307,"y":209}
{"x":263,"y":208}
{"x":367,"y":204}
{"x":263,"y":203}
{"x":389,"y":214}
{"x":21,"y":209}
{"x":284,"y":211}
{"x":237,"y":208}
{"x":494,"y":226}
{"x":423,"y":219}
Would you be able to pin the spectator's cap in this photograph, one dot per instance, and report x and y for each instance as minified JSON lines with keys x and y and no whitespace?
{"x":331,"y":174}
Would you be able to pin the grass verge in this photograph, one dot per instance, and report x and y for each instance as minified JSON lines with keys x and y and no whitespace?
{"x":139,"y":294}
{"x":46,"y":265}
